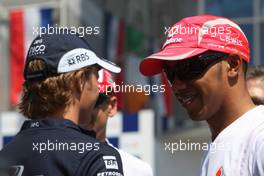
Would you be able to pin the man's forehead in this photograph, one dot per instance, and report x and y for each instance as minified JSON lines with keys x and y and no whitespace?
{"x":176,"y":62}
{"x":170,"y":63}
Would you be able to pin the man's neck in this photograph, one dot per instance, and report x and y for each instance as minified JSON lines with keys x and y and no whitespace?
{"x":101,"y":135}
{"x":72,"y":113}
{"x":228,"y":113}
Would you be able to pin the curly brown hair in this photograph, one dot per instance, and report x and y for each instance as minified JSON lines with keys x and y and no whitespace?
{"x":43,"y":98}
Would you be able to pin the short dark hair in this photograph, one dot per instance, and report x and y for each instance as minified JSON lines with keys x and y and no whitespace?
{"x":244,"y":63}
{"x":255,"y":72}
{"x":245,"y":67}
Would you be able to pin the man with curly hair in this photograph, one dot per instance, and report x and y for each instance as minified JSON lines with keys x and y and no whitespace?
{"x":61,"y":72}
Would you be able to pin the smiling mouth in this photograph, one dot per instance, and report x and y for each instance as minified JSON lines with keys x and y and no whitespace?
{"x":186,"y":99}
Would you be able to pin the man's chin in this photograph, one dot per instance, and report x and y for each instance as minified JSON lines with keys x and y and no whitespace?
{"x":196,"y":117}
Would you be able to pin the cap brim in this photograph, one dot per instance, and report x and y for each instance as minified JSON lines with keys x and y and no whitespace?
{"x":152,"y":64}
{"x":110,"y":66}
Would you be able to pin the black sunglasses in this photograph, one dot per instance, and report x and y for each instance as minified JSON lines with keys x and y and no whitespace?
{"x":192,"y":68}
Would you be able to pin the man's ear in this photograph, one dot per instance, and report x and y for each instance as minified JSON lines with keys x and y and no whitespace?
{"x":79,"y":83}
{"x":112,"y":107}
{"x":234,"y":66}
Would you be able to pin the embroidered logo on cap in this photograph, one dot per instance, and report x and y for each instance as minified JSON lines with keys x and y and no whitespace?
{"x":36,"y":50}
{"x":76,"y":59}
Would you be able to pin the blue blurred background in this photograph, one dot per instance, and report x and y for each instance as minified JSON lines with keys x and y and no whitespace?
{"x":129,"y":30}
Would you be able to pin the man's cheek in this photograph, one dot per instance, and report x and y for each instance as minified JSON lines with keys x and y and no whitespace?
{"x":94,"y":117}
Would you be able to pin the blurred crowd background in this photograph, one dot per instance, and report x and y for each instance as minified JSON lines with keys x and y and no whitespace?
{"x":129,"y":30}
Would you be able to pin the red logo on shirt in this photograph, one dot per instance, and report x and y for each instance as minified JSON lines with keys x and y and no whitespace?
{"x":220,"y":172}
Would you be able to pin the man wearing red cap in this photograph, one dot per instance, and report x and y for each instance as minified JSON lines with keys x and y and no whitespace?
{"x":106,"y":107}
{"x":205,"y":60}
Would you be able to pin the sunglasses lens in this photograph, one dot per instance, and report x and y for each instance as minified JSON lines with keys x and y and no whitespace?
{"x":192,"y":68}
{"x":170,"y":75}
{"x":183,"y":70}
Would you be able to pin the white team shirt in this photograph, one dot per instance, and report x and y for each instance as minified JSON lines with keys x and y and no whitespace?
{"x":132,"y":166}
{"x":239,"y":149}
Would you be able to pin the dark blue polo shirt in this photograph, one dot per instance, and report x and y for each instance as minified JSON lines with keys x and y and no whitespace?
{"x":56,"y":147}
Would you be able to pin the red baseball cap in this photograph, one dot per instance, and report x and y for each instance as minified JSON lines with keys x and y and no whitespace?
{"x":105,"y":81}
{"x":195,"y":35}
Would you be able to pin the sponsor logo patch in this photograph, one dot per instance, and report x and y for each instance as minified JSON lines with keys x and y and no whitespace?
{"x":36,"y":50}
{"x":16,"y":170}
{"x":78,"y":59}
{"x":110,"y":162}
{"x":220,"y":172}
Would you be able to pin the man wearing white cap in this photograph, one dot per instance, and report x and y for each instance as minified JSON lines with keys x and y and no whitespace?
{"x":60,"y":74}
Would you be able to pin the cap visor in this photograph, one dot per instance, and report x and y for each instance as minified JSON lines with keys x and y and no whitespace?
{"x":110,"y":66}
{"x":152,"y":64}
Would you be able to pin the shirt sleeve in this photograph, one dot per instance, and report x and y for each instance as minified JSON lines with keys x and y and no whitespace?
{"x":134,"y":166}
{"x":258,"y":162}
{"x":103,"y":162}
